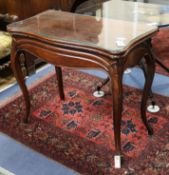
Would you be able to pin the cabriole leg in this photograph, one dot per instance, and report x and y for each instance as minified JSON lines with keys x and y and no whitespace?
{"x":20,"y":79}
{"x":148,"y":83}
{"x":116,"y":86}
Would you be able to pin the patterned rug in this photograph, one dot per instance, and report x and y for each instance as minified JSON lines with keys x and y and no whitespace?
{"x":161,"y":47}
{"x":78,"y":132}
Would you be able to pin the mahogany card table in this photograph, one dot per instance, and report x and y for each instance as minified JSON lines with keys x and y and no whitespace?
{"x":84,"y":41}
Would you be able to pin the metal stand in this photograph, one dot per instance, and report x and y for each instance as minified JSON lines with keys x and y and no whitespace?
{"x":153,"y":108}
{"x":103,"y":83}
{"x":161,"y":65}
{"x":98,"y":92}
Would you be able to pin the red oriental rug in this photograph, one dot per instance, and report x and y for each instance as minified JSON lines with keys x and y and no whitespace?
{"x":161,"y":47}
{"x":78,"y":132}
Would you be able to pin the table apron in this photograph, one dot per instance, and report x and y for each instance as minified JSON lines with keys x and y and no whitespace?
{"x":67,"y":56}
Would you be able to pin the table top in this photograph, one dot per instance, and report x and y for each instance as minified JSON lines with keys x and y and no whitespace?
{"x":95,"y":31}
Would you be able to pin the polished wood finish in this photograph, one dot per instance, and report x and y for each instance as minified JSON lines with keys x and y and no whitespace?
{"x":28,"y":8}
{"x":150,"y":60}
{"x":64,"y":42}
{"x":20,"y":77}
{"x":60,"y":82}
{"x":2,"y":7}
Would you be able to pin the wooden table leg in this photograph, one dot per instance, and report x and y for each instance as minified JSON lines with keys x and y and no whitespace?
{"x":116,"y":86}
{"x":150,"y":61}
{"x":20,"y":79}
{"x":60,"y":81}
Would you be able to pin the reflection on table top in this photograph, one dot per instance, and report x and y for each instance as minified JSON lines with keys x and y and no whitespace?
{"x":154,"y":14}
{"x":101,"y":32}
